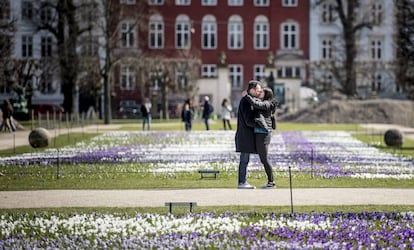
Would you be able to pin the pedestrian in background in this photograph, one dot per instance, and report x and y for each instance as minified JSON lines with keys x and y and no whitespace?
{"x":146,"y":113}
{"x":187,"y":116}
{"x":226,"y":114}
{"x":207,"y":111}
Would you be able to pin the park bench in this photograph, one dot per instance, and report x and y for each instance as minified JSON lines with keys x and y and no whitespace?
{"x":172,"y":204}
{"x":208,"y":173}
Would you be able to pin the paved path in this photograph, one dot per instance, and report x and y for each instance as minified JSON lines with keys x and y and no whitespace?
{"x":205,"y":197}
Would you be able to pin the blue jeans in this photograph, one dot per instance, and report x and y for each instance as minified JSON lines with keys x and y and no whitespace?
{"x":146,"y":120}
{"x":244,"y":161}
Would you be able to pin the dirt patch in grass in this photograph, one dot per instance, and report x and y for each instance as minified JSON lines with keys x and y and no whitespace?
{"x":356,"y":111}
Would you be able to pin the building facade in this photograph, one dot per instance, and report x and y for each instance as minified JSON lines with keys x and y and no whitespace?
{"x":213,"y":48}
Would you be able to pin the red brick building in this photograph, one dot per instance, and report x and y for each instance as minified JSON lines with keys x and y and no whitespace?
{"x":251,"y":37}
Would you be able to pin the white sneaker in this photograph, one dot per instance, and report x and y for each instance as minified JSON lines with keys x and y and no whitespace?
{"x":245,"y":186}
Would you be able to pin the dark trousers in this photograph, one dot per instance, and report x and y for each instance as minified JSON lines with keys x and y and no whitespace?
{"x":262,"y":145}
{"x":226,"y":123}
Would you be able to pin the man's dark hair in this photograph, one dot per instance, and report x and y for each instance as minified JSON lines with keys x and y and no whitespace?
{"x":252,"y":84}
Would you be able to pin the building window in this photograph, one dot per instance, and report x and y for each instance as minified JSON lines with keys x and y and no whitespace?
{"x":127,"y":35}
{"x":46,"y":46}
{"x":289,"y":36}
{"x":289,"y":72}
{"x":46,"y":15}
{"x":156,"y":32}
{"x":155,"y":2}
{"x":209,"y":32}
{"x":376,"y":82}
{"x":181,"y":80}
{"x":89,"y":46}
{"x":5,"y":10}
{"x":327,"y":48}
{"x":128,"y":2}
{"x":182,"y":32}
{"x":376,"y":49}
{"x":377,"y":13}
{"x":261,"y":3}
{"x":182,"y":2}
{"x":235,"y":32}
{"x":127,"y":77}
{"x":235,"y":2}
{"x":27,"y":10}
{"x":27,"y":46}
{"x":208,"y":2}
{"x":328,"y":13}
{"x":259,"y":72}
{"x":236,"y":76}
{"x":261,"y":33}
{"x":289,"y":3}
{"x":46,"y":83}
{"x":209,"y":70}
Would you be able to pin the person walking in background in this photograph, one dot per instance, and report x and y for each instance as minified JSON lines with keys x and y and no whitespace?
{"x":245,"y":138}
{"x":146,"y":113}
{"x":187,"y":116}
{"x":226,"y":114}
{"x":264,"y":108}
{"x":7,"y":114}
{"x":207,"y":111}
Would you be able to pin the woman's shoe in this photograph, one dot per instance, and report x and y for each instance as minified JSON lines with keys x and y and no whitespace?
{"x":269,"y":185}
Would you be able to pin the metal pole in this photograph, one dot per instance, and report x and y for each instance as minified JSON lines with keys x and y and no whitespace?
{"x":290,"y":186}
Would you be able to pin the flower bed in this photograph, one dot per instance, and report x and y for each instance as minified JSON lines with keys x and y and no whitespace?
{"x":328,"y":154}
{"x":208,"y":231}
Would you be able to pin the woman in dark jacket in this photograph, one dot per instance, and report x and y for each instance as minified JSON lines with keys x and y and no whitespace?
{"x":263,"y":110}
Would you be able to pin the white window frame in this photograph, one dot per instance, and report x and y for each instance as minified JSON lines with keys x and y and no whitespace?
{"x":155,"y":2}
{"x":235,"y":2}
{"x":46,"y":83}
{"x":27,"y":46}
{"x":127,"y":77}
{"x":377,"y":13}
{"x":261,"y":3}
{"x":27,"y":10}
{"x":289,"y":38}
{"x":182,"y":32}
{"x":327,"y":48}
{"x":376,"y":47}
{"x":259,"y":72}
{"x":377,"y":82}
{"x":156,"y":32}
{"x":208,"y":2}
{"x":46,"y":46}
{"x":209,"y":32}
{"x":128,"y":35}
{"x":183,"y":2}
{"x":181,"y":79}
{"x":289,"y":3}
{"x":261,"y":33}
{"x":235,"y":33}
{"x":328,"y":14}
{"x":209,"y":70}
{"x":236,"y":76}
{"x":289,"y":72}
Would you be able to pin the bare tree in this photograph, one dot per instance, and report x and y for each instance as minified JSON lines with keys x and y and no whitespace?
{"x":404,"y":43}
{"x":352,"y":21}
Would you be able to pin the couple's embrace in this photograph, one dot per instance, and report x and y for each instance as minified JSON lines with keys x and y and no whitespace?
{"x":254,"y":130}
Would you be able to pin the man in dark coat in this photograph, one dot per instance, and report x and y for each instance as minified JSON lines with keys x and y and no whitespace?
{"x":245,"y":138}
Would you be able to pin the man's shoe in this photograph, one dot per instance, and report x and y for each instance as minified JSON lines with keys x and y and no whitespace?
{"x":269,"y":185}
{"x":246,"y":186}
